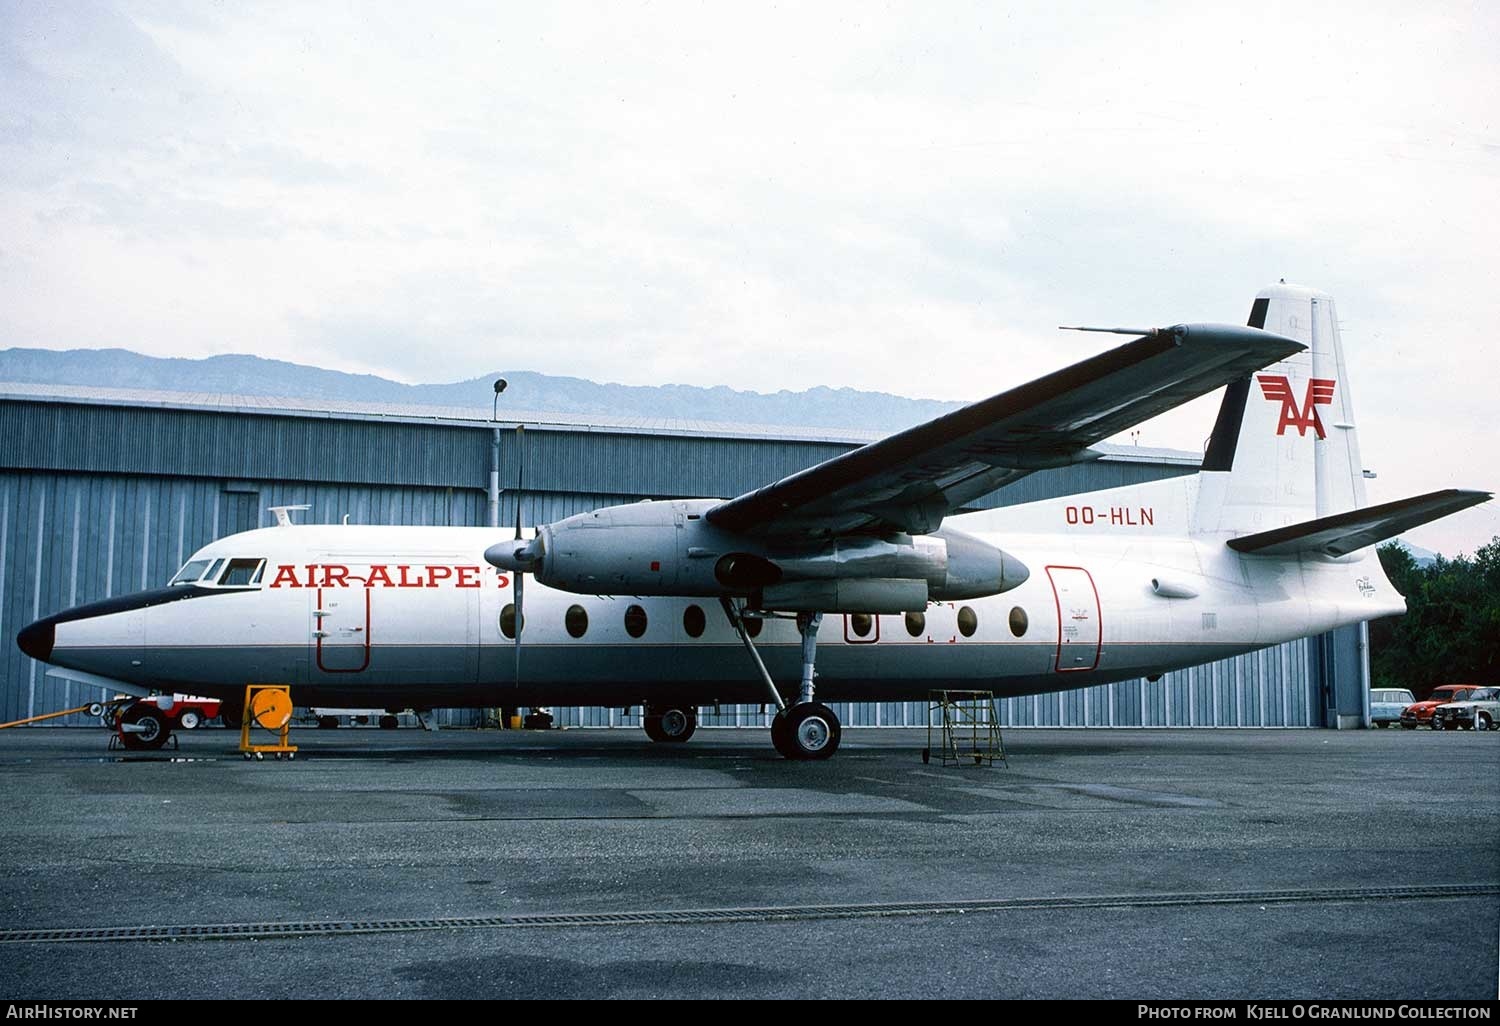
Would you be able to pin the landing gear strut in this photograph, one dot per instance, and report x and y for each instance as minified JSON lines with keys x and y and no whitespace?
{"x":808,"y":729}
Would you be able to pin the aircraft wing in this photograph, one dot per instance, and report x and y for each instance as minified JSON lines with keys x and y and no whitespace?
{"x":1342,"y":533}
{"x":911,"y":480}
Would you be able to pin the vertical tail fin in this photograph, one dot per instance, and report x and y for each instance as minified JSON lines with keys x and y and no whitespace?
{"x":1284,"y":448}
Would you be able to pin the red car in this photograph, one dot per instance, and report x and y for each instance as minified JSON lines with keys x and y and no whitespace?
{"x":1420,"y":713}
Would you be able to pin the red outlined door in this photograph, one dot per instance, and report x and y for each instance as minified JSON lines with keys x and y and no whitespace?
{"x":341,"y":629}
{"x":1080,"y":629}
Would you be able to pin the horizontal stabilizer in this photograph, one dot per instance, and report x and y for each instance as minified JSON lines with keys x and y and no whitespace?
{"x":1343,"y":533}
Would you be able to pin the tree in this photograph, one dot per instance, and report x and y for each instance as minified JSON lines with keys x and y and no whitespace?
{"x":1451,"y":631}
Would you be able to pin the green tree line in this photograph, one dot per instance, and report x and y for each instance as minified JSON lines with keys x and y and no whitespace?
{"x":1451,"y":631}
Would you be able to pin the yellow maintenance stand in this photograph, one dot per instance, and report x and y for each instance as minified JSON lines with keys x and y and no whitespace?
{"x":268,"y":706}
{"x":969,"y":728}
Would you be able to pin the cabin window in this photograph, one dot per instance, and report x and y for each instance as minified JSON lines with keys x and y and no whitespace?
{"x":693,"y":621}
{"x":1018,"y":621}
{"x":576,"y":620}
{"x":190,"y":573}
{"x":861,"y":624}
{"x":508,"y":620}
{"x":916,"y":623}
{"x":968,"y":621}
{"x":635,"y":621}
{"x":242,"y":573}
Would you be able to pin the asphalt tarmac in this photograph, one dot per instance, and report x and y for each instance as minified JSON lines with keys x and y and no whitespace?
{"x":1123,"y":864}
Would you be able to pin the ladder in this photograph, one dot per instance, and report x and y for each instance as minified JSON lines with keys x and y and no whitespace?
{"x":967,"y":728}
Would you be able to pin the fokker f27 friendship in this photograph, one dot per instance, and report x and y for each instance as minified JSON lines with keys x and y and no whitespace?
{"x":860,"y":578}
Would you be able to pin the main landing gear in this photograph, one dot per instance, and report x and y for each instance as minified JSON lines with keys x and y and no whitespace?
{"x":807,"y":729}
{"x":671,"y":724}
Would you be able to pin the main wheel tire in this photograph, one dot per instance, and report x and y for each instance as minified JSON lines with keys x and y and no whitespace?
{"x":779,"y":733}
{"x":389,"y":722}
{"x":670,"y":724}
{"x":811,"y":731}
{"x":154,"y":731}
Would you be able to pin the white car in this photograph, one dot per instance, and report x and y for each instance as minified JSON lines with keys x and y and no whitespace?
{"x":1480,"y":711}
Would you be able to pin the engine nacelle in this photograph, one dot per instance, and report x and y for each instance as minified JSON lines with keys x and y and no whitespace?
{"x":842,"y":595}
{"x":668,"y":548}
{"x":975,"y":568}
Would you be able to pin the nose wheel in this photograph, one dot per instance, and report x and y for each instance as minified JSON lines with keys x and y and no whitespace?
{"x":143,"y":727}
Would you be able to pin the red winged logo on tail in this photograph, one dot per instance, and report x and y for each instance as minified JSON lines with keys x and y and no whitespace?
{"x":1278,"y":389}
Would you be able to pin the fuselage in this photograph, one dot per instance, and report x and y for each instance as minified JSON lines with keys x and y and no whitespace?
{"x":1119,"y":588}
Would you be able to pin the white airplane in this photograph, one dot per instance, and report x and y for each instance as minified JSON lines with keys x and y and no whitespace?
{"x":857,"y":579}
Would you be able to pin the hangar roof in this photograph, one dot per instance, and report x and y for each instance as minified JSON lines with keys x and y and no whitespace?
{"x":450,"y":416}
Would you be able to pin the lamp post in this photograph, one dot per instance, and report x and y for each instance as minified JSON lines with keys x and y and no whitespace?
{"x":495,"y":455}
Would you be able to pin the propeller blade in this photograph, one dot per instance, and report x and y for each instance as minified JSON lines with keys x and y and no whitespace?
{"x":520,"y":589}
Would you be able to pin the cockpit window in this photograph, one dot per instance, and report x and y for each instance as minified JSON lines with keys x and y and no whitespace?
{"x":242,"y":573}
{"x":190,"y":573}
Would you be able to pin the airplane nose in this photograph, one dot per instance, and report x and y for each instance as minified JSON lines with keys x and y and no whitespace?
{"x":36,"y":640}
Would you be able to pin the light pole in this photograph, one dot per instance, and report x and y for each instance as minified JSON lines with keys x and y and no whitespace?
{"x":495,"y":455}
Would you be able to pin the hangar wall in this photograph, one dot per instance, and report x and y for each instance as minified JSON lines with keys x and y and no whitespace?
{"x":110,"y":494}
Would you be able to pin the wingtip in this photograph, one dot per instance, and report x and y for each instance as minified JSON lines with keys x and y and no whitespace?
{"x":1243,"y":335}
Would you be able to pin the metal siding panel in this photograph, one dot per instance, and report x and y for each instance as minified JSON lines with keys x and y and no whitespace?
{"x":1155,"y":707}
{"x":1087,"y":477}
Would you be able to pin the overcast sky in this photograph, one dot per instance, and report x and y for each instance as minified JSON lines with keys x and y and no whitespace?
{"x":902,"y":198}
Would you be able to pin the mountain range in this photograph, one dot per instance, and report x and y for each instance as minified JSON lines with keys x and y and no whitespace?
{"x":839,"y":408}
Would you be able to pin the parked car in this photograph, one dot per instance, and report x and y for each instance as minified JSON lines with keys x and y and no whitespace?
{"x":1386,"y":705}
{"x":1420,"y":713}
{"x":1479,"y":711}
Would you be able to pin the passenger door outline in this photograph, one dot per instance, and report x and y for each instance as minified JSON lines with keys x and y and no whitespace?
{"x":1076,"y":599}
{"x":347,"y":648}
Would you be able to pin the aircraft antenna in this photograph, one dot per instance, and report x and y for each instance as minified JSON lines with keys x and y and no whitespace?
{"x":283,"y":514}
{"x":1148,"y":332}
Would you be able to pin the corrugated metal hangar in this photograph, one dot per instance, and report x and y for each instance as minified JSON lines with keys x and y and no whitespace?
{"x":108,"y":491}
